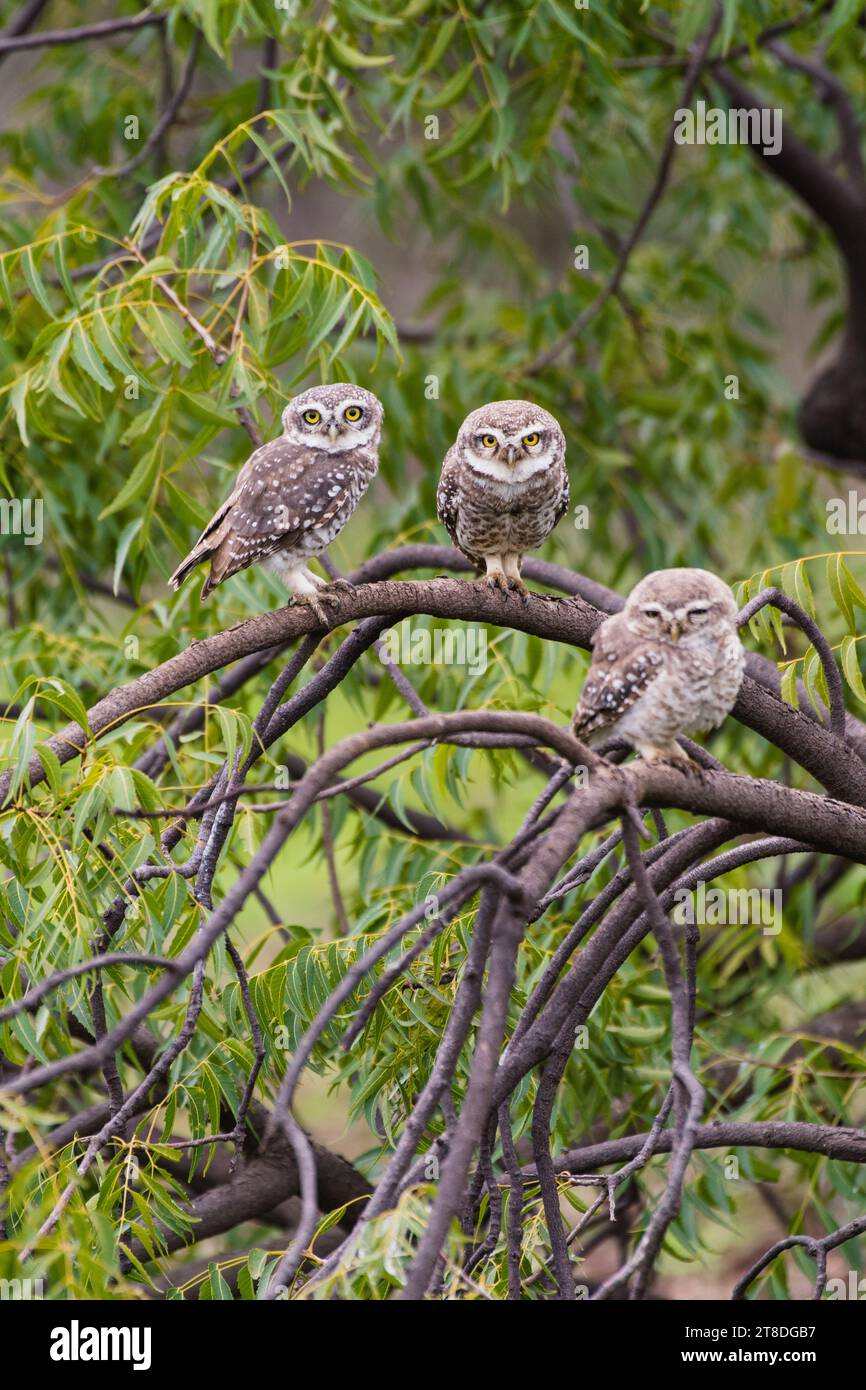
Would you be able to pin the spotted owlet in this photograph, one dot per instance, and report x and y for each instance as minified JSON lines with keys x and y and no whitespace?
{"x":503,"y":487}
{"x":293,"y":496}
{"x":669,"y":664}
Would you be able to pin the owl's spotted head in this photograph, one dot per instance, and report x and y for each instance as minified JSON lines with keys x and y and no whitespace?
{"x":510,"y":440}
{"x":681,"y":605}
{"x":334,"y":418}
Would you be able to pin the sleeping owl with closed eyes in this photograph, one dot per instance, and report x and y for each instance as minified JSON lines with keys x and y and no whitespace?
{"x":669,"y":665}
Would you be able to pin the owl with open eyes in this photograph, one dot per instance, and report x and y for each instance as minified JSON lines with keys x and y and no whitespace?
{"x":671,"y":663}
{"x":503,"y":487}
{"x":294,"y":495}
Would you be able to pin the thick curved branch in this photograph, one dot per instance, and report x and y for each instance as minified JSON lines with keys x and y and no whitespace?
{"x":834,"y":93}
{"x":262,"y":1184}
{"x":572,"y":621}
{"x":846,"y":1145}
{"x":776,"y":599}
{"x":760,"y":669}
{"x":804,"y":171}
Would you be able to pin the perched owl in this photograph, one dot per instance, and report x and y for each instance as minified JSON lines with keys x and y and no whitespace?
{"x":503,"y":487}
{"x":669,"y":664}
{"x":294,"y":495}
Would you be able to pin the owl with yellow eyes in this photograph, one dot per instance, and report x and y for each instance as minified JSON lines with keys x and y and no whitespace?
{"x":503,"y":487}
{"x":294,"y":495}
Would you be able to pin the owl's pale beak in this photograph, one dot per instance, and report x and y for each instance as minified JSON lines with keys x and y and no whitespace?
{"x":509,"y":454}
{"x":333,"y":431}
{"x":675,"y":630}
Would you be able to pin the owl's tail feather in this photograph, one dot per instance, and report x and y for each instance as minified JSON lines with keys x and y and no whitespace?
{"x":210,"y":583}
{"x":589,"y":728}
{"x":209,"y":546}
{"x":196,"y":556}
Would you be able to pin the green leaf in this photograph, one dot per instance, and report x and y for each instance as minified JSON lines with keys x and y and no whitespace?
{"x":839,"y":588}
{"x":140,"y":480}
{"x":35,"y":282}
{"x":60,"y":693}
{"x":167,"y":337}
{"x":348,"y":57}
{"x":454,"y":88}
{"x":18,"y":401}
{"x":88,"y":359}
{"x":788,"y":686}
{"x":803,"y":588}
{"x":844,"y":13}
{"x":127,"y":536}
{"x":851,"y":668}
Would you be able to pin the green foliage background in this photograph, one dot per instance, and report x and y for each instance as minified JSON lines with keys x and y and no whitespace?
{"x":117,"y":416}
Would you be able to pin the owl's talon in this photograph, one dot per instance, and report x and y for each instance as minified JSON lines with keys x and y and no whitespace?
{"x":311,"y":601}
{"x":343,"y":586}
{"x":692,"y":768}
{"x":679,"y":760}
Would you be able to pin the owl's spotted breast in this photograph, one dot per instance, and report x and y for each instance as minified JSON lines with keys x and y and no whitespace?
{"x":497,"y":517}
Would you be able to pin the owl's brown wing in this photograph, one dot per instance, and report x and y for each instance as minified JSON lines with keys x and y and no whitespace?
{"x":281,"y":492}
{"x":448,"y":494}
{"x":562,"y":502}
{"x":620,"y":672}
{"x":448,"y":500}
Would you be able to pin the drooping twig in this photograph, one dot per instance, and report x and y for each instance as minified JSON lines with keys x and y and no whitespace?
{"x":166,"y":119}
{"x":239,"y":1131}
{"x":817,"y":1246}
{"x":102,"y":29}
{"x":693,"y":76}
{"x":779,"y":600}
{"x":690,"y":1101}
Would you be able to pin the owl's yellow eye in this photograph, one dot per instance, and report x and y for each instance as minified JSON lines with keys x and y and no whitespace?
{"x":352,"y":413}
{"x":312,"y":417}
{"x":489,"y":441}
{"x":530,"y":440}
